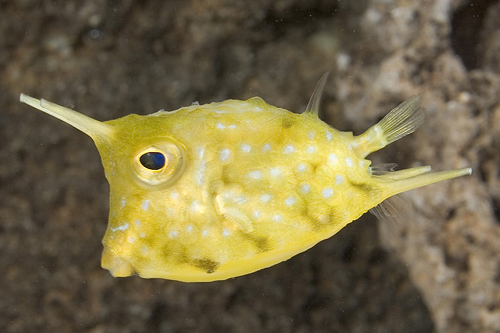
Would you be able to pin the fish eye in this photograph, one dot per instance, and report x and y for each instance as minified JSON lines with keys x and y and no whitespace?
{"x":160,"y":164}
{"x":153,"y":160}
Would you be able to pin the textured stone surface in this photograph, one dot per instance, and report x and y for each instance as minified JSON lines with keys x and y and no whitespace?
{"x":451,"y":240}
{"x":438,"y":268}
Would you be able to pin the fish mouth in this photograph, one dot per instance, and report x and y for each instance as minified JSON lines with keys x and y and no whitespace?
{"x":116,"y":265}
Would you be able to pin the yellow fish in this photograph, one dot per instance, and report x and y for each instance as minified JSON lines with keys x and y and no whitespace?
{"x":215,"y":191}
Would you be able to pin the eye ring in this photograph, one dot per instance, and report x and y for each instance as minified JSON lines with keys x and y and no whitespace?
{"x":159,"y":165}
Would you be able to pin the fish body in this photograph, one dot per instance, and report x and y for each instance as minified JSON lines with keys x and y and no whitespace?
{"x":224,"y":189}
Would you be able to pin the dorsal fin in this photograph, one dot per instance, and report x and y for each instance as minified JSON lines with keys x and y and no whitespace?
{"x":313,"y":105}
{"x":402,"y":120}
{"x":399,"y":122}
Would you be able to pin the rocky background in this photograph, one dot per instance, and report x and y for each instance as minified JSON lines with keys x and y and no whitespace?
{"x":436,"y":269}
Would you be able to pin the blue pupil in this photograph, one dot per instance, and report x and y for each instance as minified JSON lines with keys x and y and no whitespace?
{"x":153,"y":160}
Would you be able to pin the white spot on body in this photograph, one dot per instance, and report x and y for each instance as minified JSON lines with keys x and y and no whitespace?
{"x":257,"y":214}
{"x":290,"y":201}
{"x":327,"y":192}
{"x":245,"y":148}
{"x":174,"y":195}
{"x":311,"y":149}
{"x":200,"y":151}
{"x":226,"y":232}
{"x":329,"y":136}
{"x":275,"y":172}
{"x":339,"y":179}
{"x":220,"y":126}
{"x":145,"y":204}
{"x":200,"y":172}
{"x":195,"y":206}
{"x":355,"y":144}
{"x":289,"y":149}
{"x":131,"y":240}
{"x":256,"y":174}
{"x":142,"y":235}
{"x":258,"y":109}
{"x":189,"y":228}
{"x":277,"y":218}
{"x":124,"y":201}
{"x":137,"y":222}
{"x":265,"y":197}
{"x":305,"y":188}
{"x":332,"y":159}
{"x":349,"y":162}
{"x":301,"y":167}
{"x":266,"y":147}
{"x":227,"y":195}
{"x":121,"y":228}
{"x":232,"y":126}
{"x":204,"y":232}
{"x":240,"y":200}
{"x":173,"y":234}
{"x":224,"y":154}
{"x":310,"y":135}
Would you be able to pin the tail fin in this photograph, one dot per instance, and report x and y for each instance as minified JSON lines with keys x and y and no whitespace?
{"x":409,"y":179}
{"x":399,"y":122}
